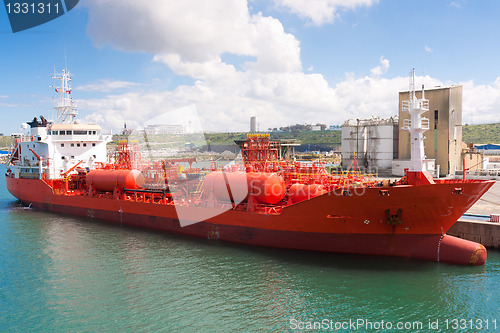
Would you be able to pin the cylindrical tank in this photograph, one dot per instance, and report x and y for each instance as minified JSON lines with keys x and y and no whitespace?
{"x":267,"y":188}
{"x":215,"y":183}
{"x":106,"y":180}
{"x":354,"y":140}
{"x":301,"y":192}
{"x":381,"y":146}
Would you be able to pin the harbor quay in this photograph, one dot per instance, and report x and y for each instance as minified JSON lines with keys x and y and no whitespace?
{"x":480,"y":223}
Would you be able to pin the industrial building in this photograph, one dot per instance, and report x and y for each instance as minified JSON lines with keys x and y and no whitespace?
{"x":374,"y":143}
{"x":472,"y":158}
{"x":489,"y":149}
{"x":443,"y":139}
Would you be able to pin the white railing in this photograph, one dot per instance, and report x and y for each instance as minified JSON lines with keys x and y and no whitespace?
{"x":406,"y":124}
{"x":405,"y":106}
{"x":421,"y":104}
{"x":424,"y":124}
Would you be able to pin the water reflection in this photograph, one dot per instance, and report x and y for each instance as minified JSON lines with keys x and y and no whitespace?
{"x":64,"y":273}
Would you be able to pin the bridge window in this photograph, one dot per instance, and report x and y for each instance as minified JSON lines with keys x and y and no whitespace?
{"x":62,"y":144}
{"x":72,"y":145}
{"x":78,"y":145}
{"x":80,"y":132}
{"x":93,"y":144}
{"x":85,"y":145}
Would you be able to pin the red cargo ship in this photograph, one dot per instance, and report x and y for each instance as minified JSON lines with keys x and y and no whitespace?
{"x":265,"y":200}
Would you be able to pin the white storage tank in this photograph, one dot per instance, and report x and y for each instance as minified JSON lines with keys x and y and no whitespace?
{"x":353,"y":142}
{"x":375,"y":142}
{"x":381,"y":146}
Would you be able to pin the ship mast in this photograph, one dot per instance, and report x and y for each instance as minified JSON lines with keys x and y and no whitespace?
{"x":417,"y":125}
{"x":66,"y":108}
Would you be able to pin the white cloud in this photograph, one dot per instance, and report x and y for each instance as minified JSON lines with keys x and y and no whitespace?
{"x":284,"y":99}
{"x":105,"y":85}
{"x":276,"y":99}
{"x":382,"y":69}
{"x":428,"y":49}
{"x":270,"y":85}
{"x":480,"y":102}
{"x":4,"y":96}
{"x":455,"y":4}
{"x":197,"y":31}
{"x":321,"y":11}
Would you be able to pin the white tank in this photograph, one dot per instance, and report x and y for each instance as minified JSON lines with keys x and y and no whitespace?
{"x":381,"y":146}
{"x":374,"y":141}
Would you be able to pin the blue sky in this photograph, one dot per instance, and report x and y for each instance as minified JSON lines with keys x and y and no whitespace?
{"x":284,"y":61}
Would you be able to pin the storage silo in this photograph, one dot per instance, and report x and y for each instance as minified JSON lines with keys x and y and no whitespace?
{"x":253,"y":124}
{"x":381,"y":134}
{"x":354,"y":143}
{"x":373,"y":141}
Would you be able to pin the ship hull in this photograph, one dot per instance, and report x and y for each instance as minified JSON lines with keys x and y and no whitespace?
{"x":356,"y":223}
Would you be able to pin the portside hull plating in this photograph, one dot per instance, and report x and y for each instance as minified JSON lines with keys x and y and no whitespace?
{"x":355,"y":223}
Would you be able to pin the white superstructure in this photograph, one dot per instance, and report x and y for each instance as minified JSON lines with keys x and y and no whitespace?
{"x":53,"y":150}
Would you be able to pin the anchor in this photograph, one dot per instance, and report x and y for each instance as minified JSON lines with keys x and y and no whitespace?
{"x":394,"y":219}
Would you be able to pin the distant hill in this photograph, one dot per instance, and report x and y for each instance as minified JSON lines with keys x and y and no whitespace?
{"x":480,"y":134}
{"x":318,"y":140}
{"x":325,"y":140}
{"x":486,"y":133}
{"x":4,"y":141}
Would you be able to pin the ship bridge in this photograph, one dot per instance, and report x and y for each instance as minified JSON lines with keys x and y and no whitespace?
{"x":77,"y":132}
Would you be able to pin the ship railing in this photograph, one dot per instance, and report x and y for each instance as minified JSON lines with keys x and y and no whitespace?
{"x":197,"y":191}
{"x":148,"y":196}
{"x":420,"y":104}
{"x":345,"y":179}
{"x":405,"y":106}
{"x":424,"y":124}
{"x":406,"y":124}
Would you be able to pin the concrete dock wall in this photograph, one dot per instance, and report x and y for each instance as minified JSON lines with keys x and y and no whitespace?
{"x":486,"y":233}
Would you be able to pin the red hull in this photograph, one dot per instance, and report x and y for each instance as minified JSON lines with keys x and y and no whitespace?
{"x":331,"y":222}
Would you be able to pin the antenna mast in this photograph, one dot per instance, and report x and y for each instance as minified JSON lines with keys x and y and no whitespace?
{"x":66,"y":108}
{"x":417,"y":125}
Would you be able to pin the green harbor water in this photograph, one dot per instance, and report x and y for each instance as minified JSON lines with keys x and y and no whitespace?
{"x":66,"y":274}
